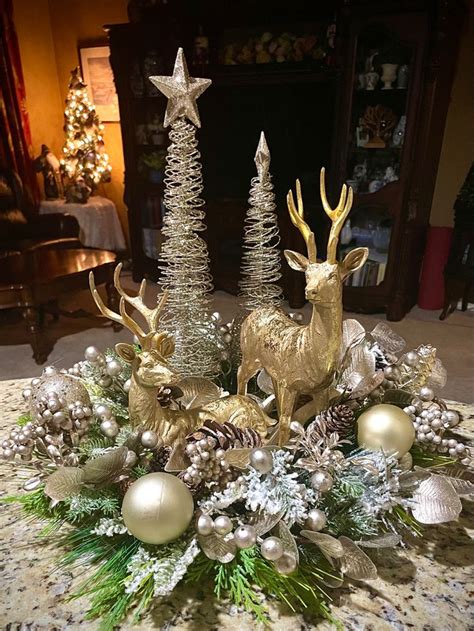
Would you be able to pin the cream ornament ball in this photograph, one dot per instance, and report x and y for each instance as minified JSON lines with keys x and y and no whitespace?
{"x":386,"y":427}
{"x":157,"y":508}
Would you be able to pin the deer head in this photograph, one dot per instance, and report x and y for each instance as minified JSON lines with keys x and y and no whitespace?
{"x":323,"y":279}
{"x":150,"y":367}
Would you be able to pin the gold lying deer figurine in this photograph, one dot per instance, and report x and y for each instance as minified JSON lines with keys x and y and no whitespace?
{"x":150,"y":371}
{"x":302,"y":359}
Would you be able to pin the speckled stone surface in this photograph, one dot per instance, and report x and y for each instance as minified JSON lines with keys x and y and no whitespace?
{"x":428,"y":587}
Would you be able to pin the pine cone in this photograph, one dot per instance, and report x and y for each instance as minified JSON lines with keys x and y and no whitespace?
{"x":227,"y":435}
{"x":160,"y":458}
{"x":338,"y":418}
{"x":165,"y":397}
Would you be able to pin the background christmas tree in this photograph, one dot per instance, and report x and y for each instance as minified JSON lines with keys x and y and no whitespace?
{"x":84,"y":162}
{"x":261,"y":260}
{"x":184,"y":259}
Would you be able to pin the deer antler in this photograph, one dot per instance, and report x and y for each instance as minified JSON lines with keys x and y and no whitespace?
{"x":151,"y":315}
{"x":337,"y":215}
{"x":297,"y":218}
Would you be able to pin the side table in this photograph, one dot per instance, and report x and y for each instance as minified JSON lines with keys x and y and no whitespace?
{"x":32,"y":281}
{"x":98,"y":220}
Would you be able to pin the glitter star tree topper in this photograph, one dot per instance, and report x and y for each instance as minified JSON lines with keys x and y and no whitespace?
{"x":184,"y":259}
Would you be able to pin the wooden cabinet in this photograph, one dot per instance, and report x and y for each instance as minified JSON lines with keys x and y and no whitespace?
{"x":310,"y":108}
{"x":293,"y":102}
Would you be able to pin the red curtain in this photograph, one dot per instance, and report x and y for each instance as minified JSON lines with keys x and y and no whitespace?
{"x":15,"y":134}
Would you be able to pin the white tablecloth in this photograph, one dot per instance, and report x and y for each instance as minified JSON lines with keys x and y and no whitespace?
{"x":98,"y":221}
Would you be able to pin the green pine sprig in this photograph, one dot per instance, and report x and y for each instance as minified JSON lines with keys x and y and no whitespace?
{"x":249,"y":577}
{"x":430,"y":460}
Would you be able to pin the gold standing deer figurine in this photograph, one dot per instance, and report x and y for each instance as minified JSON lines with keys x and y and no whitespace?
{"x":150,"y":371}
{"x":302,"y":359}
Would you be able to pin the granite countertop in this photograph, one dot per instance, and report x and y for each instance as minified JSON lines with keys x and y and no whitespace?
{"x":423,"y":588}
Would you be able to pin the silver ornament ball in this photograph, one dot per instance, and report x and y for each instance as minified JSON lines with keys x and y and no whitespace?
{"x":105,"y":381}
{"x":113,"y":368}
{"x":261,"y":459}
{"x":272,"y":548}
{"x":386,"y":427}
{"x":411,"y":359}
{"x":321,"y":481}
{"x":157,"y":508}
{"x":149,"y":439}
{"x":205,"y":525}
{"x":92,"y":353}
{"x":392,"y":373}
{"x":102,"y":410}
{"x":57,"y":391}
{"x":426,"y":393}
{"x":286,"y":564}
{"x":452,"y":417}
{"x":109,"y":428}
{"x":126,"y":385}
{"x":316,"y":520}
{"x":245,"y":536}
{"x":222,"y":525}
{"x":50,"y":370}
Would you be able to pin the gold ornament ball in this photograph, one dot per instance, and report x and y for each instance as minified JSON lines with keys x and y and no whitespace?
{"x":157,"y":508}
{"x":386,"y":427}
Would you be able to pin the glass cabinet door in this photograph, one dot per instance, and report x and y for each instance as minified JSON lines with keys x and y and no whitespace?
{"x":378,"y":119}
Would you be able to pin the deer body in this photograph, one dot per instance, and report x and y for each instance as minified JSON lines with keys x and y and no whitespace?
{"x":302,"y":359}
{"x":151,"y":371}
{"x":173,"y":425}
{"x":308,"y":367}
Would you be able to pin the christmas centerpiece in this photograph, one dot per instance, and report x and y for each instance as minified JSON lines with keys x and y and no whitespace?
{"x":336,"y":443}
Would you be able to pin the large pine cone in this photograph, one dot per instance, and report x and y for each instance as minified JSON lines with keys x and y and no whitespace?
{"x":339,"y":419}
{"x":167,"y":397}
{"x":226,"y":435}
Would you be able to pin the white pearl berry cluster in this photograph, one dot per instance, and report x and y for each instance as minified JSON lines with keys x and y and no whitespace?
{"x":109,"y":367}
{"x":431,"y":421}
{"x":21,"y":441}
{"x":208,"y":464}
{"x":55,"y":417}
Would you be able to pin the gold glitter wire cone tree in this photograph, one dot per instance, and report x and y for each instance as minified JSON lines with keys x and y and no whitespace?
{"x":184,"y":258}
{"x":261,"y":255}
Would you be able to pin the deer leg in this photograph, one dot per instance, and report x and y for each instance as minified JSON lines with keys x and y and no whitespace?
{"x":244,"y":374}
{"x":318,"y":402}
{"x":287,"y":400}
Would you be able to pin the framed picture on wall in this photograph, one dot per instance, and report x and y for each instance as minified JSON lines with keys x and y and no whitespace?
{"x":98,"y":75}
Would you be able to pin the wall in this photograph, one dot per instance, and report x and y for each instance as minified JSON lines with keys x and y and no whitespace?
{"x":457,"y":152}
{"x":50,"y":33}
{"x":38,"y":59}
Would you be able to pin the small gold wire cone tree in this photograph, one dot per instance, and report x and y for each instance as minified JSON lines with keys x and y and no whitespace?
{"x":85,"y":164}
{"x":261,"y":260}
{"x":184,"y":258}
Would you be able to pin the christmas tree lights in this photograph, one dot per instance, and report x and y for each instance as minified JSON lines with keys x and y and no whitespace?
{"x":85,"y":163}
